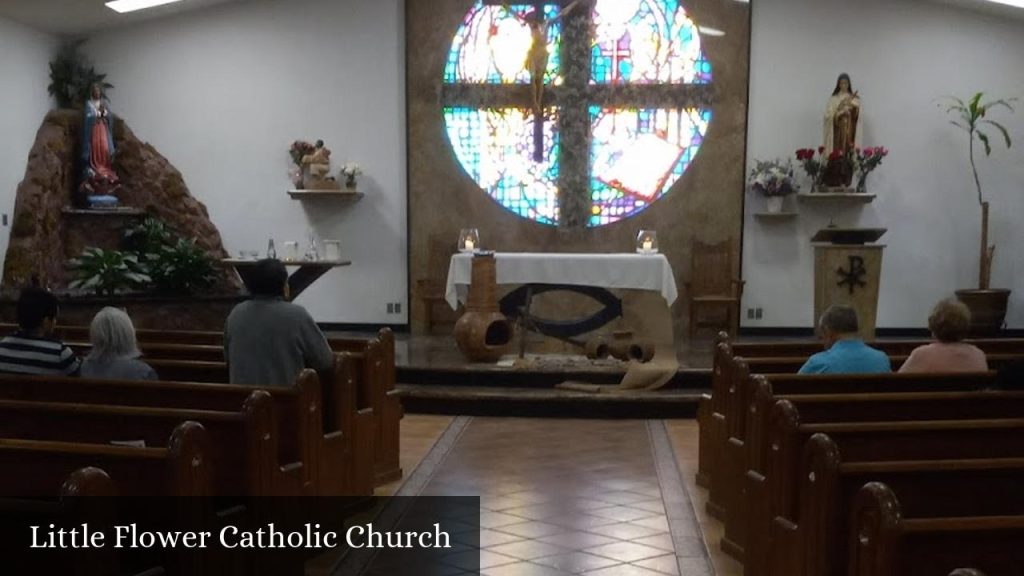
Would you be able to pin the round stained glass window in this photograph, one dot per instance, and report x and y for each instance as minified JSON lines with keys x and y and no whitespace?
{"x":562,"y":113}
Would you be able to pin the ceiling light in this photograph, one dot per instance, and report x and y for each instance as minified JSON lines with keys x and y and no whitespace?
{"x":123,"y":6}
{"x":1014,"y":3}
{"x":709,"y":31}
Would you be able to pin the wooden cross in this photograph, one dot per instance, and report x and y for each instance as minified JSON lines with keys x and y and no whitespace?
{"x":573,"y":98}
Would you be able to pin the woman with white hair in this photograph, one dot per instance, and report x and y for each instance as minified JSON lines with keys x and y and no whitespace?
{"x":114,"y":353}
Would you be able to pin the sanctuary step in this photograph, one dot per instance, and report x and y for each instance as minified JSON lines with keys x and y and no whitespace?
{"x":548,"y":402}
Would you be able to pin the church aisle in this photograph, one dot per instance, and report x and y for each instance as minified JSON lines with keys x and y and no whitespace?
{"x":562,"y":497}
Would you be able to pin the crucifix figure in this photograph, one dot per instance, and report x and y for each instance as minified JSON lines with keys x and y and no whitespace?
{"x":537,"y":64}
{"x":573,"y":98}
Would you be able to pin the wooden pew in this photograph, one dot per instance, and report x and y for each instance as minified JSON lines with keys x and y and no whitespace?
{"x":243,"y":444}
{"x":163,"y":351}
{"x":349,"y":395}
{"x":788,"y":356}
{"x":776,"y":495}
{"x":745,"y":418}
{"x":947,"y":486}
{"x":300,"y":410}
{"x":377,"y":363}
{"x":67,"y":506}
{"x":747,"y":474}
{"x":196,"y":356}
{"x":182,"y":468}
{"x":375,"y":384}
{"x":343,"y":411}
{"x":736,"y":393}
{"x":891,"y":347}
{"x":887,"y":540}
{"x":185,"y":468}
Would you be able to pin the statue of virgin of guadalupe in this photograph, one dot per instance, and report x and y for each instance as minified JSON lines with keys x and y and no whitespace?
{"x":842,"y":115}
{"x":100,"y":183}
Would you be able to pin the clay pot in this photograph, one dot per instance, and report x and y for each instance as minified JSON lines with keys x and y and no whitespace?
{"x":596,"y":348}
{"x":624,"y":347}
{"x":483,"y":332}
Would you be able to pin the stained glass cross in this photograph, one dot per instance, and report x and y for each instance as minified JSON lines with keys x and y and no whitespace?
{"x":573,"y":98}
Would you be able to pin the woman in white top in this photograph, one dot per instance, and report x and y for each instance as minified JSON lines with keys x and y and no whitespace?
{"x":949,"y":322}
{"x":114,"y":354}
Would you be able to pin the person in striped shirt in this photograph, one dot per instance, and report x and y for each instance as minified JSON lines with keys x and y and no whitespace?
{"x":32,"y":349}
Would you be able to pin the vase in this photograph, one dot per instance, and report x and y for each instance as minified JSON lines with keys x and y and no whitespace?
{"x":775,"y":204}
{"x":350,"y":183}
{"x":862,"y":183}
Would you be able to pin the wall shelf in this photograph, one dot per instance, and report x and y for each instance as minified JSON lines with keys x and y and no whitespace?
{"x":836,"y":196}
{"x":123,"y":212}
{"x":775,"y":216}
{"x":340,"y":195}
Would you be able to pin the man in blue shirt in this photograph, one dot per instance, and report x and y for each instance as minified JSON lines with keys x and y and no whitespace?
{"x":845,"y":352}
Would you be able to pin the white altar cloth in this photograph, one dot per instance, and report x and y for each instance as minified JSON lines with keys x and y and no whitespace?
{"x":626,"y":271}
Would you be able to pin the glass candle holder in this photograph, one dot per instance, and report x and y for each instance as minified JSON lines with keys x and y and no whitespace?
{"x":291,"y":251}
{"x":332,"y":250}
{"x":469,"y":240}
{"x":647,"y":242}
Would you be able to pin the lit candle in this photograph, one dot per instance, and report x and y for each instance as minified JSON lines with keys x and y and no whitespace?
{"x":469,"y":244}
{"x":648,"y":245}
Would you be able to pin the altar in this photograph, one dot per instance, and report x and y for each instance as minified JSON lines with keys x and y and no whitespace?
{"x":646,"y":278}
{"x":301,"y":273}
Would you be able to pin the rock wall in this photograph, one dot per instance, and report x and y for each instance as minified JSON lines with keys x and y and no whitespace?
{"x":45,"y":235}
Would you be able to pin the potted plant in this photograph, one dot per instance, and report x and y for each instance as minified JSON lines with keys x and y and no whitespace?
{"x":987,"y":305}
{"x":773,"y":179}
{"x":106,"y":272}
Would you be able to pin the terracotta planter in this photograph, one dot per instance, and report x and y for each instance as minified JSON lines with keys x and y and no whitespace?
{"x":625,"y":347}
{"x":988,"y":309}
{"x":596,"y":348}
{"x":483,"y":332}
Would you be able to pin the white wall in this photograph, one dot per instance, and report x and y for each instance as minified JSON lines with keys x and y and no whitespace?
{"x":24,"y":67}
{"x":223,"y":92}
{"x":902,"y":55}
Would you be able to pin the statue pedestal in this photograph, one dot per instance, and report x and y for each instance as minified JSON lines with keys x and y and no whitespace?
{"x":847,"y":272}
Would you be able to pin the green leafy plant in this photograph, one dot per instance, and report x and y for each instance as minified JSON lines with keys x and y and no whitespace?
{"x":147,"y":237}
{"x":72,"y":77}
{"x":181,"y":268}
{"x":971,"y":117}
{"x":108,"y":271}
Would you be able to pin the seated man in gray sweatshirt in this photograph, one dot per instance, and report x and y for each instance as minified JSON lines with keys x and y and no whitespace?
{"x":268,"y":340}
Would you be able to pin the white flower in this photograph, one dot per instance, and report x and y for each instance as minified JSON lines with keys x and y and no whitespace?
{"x":351,"y":169}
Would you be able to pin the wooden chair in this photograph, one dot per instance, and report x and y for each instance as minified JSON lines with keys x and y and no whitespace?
{"x":431,"y":289}
{"x":713,"y":285}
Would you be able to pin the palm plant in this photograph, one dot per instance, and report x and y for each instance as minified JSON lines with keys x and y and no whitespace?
{"x":72,"y":77}
{"x":971,"y":117}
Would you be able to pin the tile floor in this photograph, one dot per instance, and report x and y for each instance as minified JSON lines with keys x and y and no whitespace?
{"x":562,"y":497}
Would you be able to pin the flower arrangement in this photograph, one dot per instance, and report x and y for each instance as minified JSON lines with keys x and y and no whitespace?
{"x":350,"y":170}
{"x":299,"y":149}
{"x":772,"y":178}
{"x":866,"y":160}
{"x":813,"y":163}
